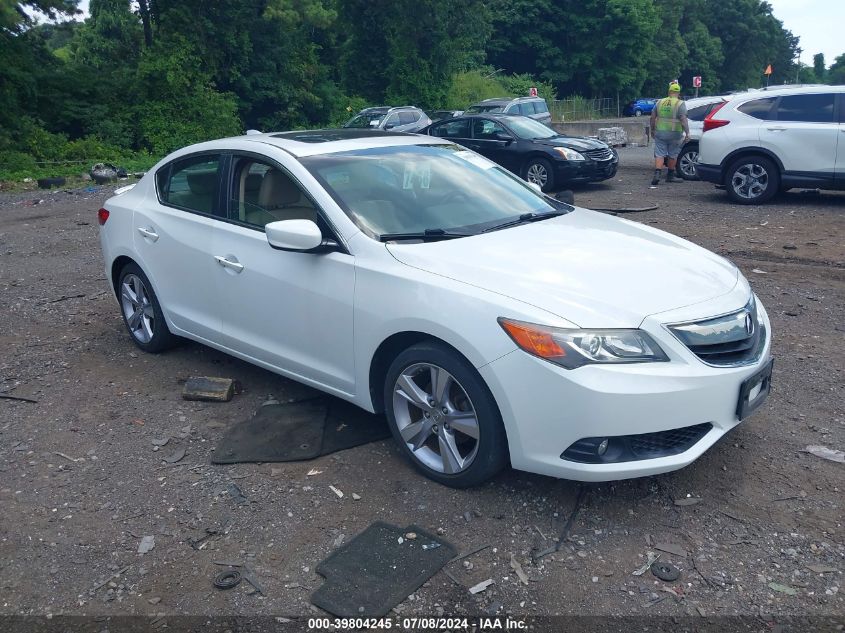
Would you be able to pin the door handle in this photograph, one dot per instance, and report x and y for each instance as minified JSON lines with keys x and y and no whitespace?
{"x":776,"y":129}
{"x":228,"y":263}
{"x":150,"y":233}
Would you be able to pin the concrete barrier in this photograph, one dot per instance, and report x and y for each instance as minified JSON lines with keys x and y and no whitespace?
{"x":635,"y":127}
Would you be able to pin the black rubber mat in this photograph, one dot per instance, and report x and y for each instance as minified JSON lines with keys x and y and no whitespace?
{"x":374,"y":572}
{"x":299,"y":431}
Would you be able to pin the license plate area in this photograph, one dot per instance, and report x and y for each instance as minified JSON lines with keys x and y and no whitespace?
{"x":754,"y":391}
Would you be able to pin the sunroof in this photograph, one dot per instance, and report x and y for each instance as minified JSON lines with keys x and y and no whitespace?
{"x":327,"y":136}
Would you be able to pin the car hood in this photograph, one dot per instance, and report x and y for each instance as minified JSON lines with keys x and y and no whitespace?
{"x":577,"y":143}
{"x":591,"y":269}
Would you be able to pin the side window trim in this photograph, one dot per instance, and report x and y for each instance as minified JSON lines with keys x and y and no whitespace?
{"x":323,"y":220}
{"x":169,"y":167}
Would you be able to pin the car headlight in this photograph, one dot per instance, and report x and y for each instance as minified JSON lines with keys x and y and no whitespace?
{"x":572,"y":348}
{"x":569,"y":154}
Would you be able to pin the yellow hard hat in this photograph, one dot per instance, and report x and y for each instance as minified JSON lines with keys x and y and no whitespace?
{"x":674,"y":86}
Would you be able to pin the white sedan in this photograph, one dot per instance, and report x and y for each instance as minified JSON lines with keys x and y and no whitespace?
{"x":492,"y":324}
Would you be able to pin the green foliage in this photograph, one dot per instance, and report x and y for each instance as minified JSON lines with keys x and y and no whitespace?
{"x":836,"y":72}
{"x":520,"y":86}
{"x":819,"y":69}
{"x":470,"y":87}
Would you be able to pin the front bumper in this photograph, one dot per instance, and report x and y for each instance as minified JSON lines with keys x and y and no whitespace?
{"x":568,"y":172}
{"x":709,"y":173}
{"x":546,"y":408}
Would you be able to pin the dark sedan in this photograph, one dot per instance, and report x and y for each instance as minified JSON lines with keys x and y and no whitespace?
{"x":530,"y":149}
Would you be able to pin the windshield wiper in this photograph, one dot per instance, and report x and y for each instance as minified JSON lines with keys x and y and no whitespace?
{"x":525,"y":218}
{"x":427,"y":235}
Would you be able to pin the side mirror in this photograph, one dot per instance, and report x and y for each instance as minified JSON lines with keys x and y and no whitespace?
{"x":503,"y":136}
{"x":536,"y":187}
{"x":390,"y":126}
{"x":294,"y":235}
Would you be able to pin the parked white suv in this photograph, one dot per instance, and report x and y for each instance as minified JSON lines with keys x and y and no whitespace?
{"x":761,"y":143}
{"x":697,"y":110}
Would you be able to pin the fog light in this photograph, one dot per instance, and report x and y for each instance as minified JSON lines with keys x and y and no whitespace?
{"x":602,"y":448}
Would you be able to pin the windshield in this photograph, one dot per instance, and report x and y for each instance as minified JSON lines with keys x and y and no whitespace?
{"x":524,"y":127}
{"x":418,"y":188}
{"x":365,"y":120}
{"x":486,"y":108}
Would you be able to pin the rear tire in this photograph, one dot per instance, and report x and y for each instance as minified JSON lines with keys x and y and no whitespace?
{"x":638,"y":112}
{"x":443,"y":416}
{"x":141,"y":311}
{"x":540,"y":172}
{"x":752,"y":180}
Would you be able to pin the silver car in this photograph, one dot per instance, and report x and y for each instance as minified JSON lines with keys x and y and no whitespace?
{"x":533,"y":107}
{"x":395,"y":119}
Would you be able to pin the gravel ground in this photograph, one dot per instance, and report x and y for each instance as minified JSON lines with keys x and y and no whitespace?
{"x":82,"y":481}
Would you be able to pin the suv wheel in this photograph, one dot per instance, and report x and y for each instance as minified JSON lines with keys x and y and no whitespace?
{"x":539,"y":171}
{"x":752,"y":180}
{"x":687,"y":162}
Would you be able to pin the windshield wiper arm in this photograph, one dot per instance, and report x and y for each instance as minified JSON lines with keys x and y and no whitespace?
{"x":524,"y":219}
{"x":428,"y":234}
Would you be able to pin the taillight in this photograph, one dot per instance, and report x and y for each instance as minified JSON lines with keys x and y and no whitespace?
{"x":710,"y":123}
{"x":102,"y":216}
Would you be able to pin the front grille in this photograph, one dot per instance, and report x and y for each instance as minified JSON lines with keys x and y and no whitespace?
{"x":599,"y":154}
{"x":733,"y":339}
{"x":629,"y":448}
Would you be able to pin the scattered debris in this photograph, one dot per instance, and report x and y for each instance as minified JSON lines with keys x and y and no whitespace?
{"x":208,"y":388}
{"x":671,"y":548}
{"x":468,"y":554}
{"x":434,"y":545}
{"x":176,"y":456}
{"x":826,"y":453}
{"x":356,"y":496}
{"x":535,"y":556}
{"x":155,"y":600}
{"x":227,"y":579}
{"x":758,"y":271}
{"x":313,"y":472}
{"x":339,"y":540}
{"x":68,"y":457}
{"x":822,"y":569}
{"x":66,"y":297}
{"x":481,"y":586}
{"x":102,"y":584}
{"x":336,"y":491}
{"x":783,"y":589}
{"x":236,"y":494}
{"x":49,"y":183}
{"x":411,"y":536}
{"x":687,"y":501}
{"x":652,"y":207}
{"x":160,"y":441}
{"x":665,"y":571}
{"x":651,"y":557}
{"x":199,"y":543}
{"x":5,"y":396}
{"x":147,"y":544}
{"x":515,"y":565}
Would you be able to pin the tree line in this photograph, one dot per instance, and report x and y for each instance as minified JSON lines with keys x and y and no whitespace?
{"x":135,"y":80}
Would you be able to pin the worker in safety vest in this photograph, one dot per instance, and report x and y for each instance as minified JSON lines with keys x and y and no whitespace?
{"x":671,"y":130}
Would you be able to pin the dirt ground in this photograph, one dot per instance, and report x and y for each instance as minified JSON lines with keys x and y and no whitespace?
{"x":81,"y":481}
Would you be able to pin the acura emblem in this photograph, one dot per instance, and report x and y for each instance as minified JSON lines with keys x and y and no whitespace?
{"x":749,"y":324}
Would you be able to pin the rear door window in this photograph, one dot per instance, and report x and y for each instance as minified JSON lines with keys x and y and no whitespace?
{"x":699,"y":112}
{"x":759,"y":108}
{"x":540,"y":107}
{"x":452,"y":129}
{"x":809,"y":108}
{"x":526,"y":109}
{"x":191,"y":183}
{"x":406,"y":118}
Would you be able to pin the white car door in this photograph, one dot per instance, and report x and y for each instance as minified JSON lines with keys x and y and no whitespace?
{"x":172,"y":235}
{"x":804,"y":134}
{"x":288,"y":310}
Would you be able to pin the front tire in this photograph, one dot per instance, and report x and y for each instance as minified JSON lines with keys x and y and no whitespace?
{"x":638,"y":112}
{"x":141,"y":311}
{"x":444,"y":417}
{"x":687,"y":161}
{"x":539,"y":171}
{"x":752,"y":180}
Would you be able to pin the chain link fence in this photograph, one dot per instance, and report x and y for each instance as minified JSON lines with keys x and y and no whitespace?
{"x":583,"y":109}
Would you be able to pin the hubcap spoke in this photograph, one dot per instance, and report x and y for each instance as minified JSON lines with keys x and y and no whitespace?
{"x":465,"y":422}
{"x":412,"y":392}
{"x":452,"y":460}
{"x":135,"y":320}
{"x":440,"y":382}
{"x":417,"y":433}
{"x":147,"y":328}
{"x":129,"y":295}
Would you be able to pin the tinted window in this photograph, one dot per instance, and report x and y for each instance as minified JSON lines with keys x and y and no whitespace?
{"x":540,"y":107}
{"x":512,"y":109}
{"x":262,"y":193}
{"x":759,"y":108}
{"x":698,"y":113}
{"x":407,"y":117}
{"x":526,"y":109}
{"x":816,"y":108}
{"x":392,"y":121}
{"x":452,"y":129}
{"x":192,"y":183}
{"x":485,"y":129}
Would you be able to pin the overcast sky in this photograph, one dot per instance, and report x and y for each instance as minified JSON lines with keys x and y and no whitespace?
{"x":816,"y":22}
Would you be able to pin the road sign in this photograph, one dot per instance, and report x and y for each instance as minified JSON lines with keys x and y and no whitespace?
{"x":696,"y":81}
{"x":768,"y":70}
{"x":532,"y":91}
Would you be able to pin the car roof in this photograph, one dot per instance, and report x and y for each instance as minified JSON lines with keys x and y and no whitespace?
{"x":700,"y":101}
{"x":787,"y":90}
{"x":303,"y":143}
{"x":495,"y":100}
{"x":387,"y":108}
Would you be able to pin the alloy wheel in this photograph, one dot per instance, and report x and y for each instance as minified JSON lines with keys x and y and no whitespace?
{"x":537,"y":174}
{"x":137,"y":308}
{"x":435,"y":418}
{"x":750,"y":181}
{"x":687,"y":163}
